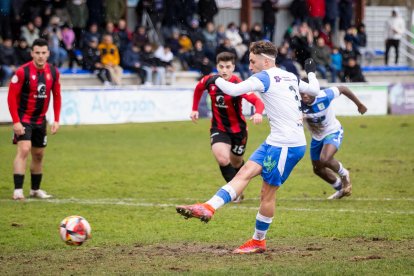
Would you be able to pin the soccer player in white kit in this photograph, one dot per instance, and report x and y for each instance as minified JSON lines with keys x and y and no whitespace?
{"x":327,"y":135}
{"x":283,"y":148}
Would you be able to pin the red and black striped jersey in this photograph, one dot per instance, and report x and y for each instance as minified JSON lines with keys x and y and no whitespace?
{"x":29,"y":93}
{"x":226,"y":110}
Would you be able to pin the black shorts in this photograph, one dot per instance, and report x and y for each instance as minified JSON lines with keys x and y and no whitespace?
{"x":35,"y":133}
{"x":237,"y":140}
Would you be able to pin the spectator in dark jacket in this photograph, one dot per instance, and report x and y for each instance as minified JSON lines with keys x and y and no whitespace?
{"x":206,"y":9}
{"x":199,"y":59}
{"x":284,"y":61}
{"x":256,"y":32}
{"x":269,"y":10}
{"x":22,"y":51}
{"x":8,"y":60}
{"x":92,"y":33}
{"x":92,"y":61}
{"x":299,"y":11}
{"x":155,"y":71}
{"x":131,"y":60}
{"x":353,"y":72}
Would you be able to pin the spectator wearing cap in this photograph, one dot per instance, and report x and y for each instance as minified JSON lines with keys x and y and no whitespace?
{"x":110,"y":58}
{"x":92,"y":61}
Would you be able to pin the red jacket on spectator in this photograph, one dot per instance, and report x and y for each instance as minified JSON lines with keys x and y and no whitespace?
{"x":316,"y":8}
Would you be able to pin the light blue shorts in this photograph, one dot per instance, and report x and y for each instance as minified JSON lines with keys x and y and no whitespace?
{"x":277,"y":162}
{"x":333,"y":139}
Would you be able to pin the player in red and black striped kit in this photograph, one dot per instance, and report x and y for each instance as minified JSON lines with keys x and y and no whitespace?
{"x":28,"y":99}
{"x":228,"y":126}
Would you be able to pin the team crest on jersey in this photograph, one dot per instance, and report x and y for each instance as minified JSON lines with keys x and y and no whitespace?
{"x":14,"y":79}
{"x":48,"y":76}
{"x":33,"y":77}
{"x":321,"y":106}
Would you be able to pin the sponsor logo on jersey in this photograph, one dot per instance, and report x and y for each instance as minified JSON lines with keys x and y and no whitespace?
{"x":220,"y":102}
{"x":41,"y":91}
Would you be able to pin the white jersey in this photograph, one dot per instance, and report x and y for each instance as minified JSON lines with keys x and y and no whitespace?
{"x":319,"y":116}
{"x":280,"y":93}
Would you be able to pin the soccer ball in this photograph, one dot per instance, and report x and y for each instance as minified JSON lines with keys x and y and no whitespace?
{"x":75,"y":230}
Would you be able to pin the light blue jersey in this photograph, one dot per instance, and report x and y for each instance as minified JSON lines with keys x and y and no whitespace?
{"x":319,"y":116}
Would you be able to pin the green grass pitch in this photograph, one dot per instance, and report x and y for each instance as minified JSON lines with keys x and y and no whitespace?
{"x":127,"y":179}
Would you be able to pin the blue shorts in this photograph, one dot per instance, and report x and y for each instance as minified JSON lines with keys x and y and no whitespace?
{"x":277,"y":162}
{"x":333,"y":139}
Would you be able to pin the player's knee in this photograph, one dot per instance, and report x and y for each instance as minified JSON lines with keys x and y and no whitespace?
{"x":24,"y":151}
{"x":223,"y":160}
{"x":37,"y":157}
{"x":324,"y":160}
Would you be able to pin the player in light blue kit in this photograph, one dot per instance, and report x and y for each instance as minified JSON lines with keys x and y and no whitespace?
{"x":283,"y":148}
{"x":327,"y":135}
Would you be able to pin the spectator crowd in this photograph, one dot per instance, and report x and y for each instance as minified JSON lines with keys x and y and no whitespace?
{"x":93,"y":35}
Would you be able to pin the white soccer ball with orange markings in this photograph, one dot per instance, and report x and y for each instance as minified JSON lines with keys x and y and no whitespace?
{"x":75,"y":230}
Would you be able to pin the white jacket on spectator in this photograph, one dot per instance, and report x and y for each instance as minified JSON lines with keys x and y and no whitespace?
{"x":395,"y":26}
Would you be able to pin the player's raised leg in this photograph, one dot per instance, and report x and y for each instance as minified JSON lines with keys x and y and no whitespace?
{"x":226,"y":194}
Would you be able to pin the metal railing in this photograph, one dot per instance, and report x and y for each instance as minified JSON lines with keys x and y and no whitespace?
{"x":408,"y":41}
{"x":153,"y":32}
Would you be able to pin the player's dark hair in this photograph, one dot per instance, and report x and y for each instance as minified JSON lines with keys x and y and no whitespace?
{"x":226,"y":56}
{"x":263,"y":47}
{"x":40,"y":42}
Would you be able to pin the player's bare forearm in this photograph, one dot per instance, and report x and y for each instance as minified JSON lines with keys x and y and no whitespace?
{"x":350,"y":95}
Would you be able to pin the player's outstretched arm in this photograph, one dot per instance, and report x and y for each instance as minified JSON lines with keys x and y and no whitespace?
{"x":350,"y":95}
{"x":237,"y":89}
{"x":312,"y":88}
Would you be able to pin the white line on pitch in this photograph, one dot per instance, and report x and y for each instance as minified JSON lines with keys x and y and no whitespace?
{"x":128,"y":202}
